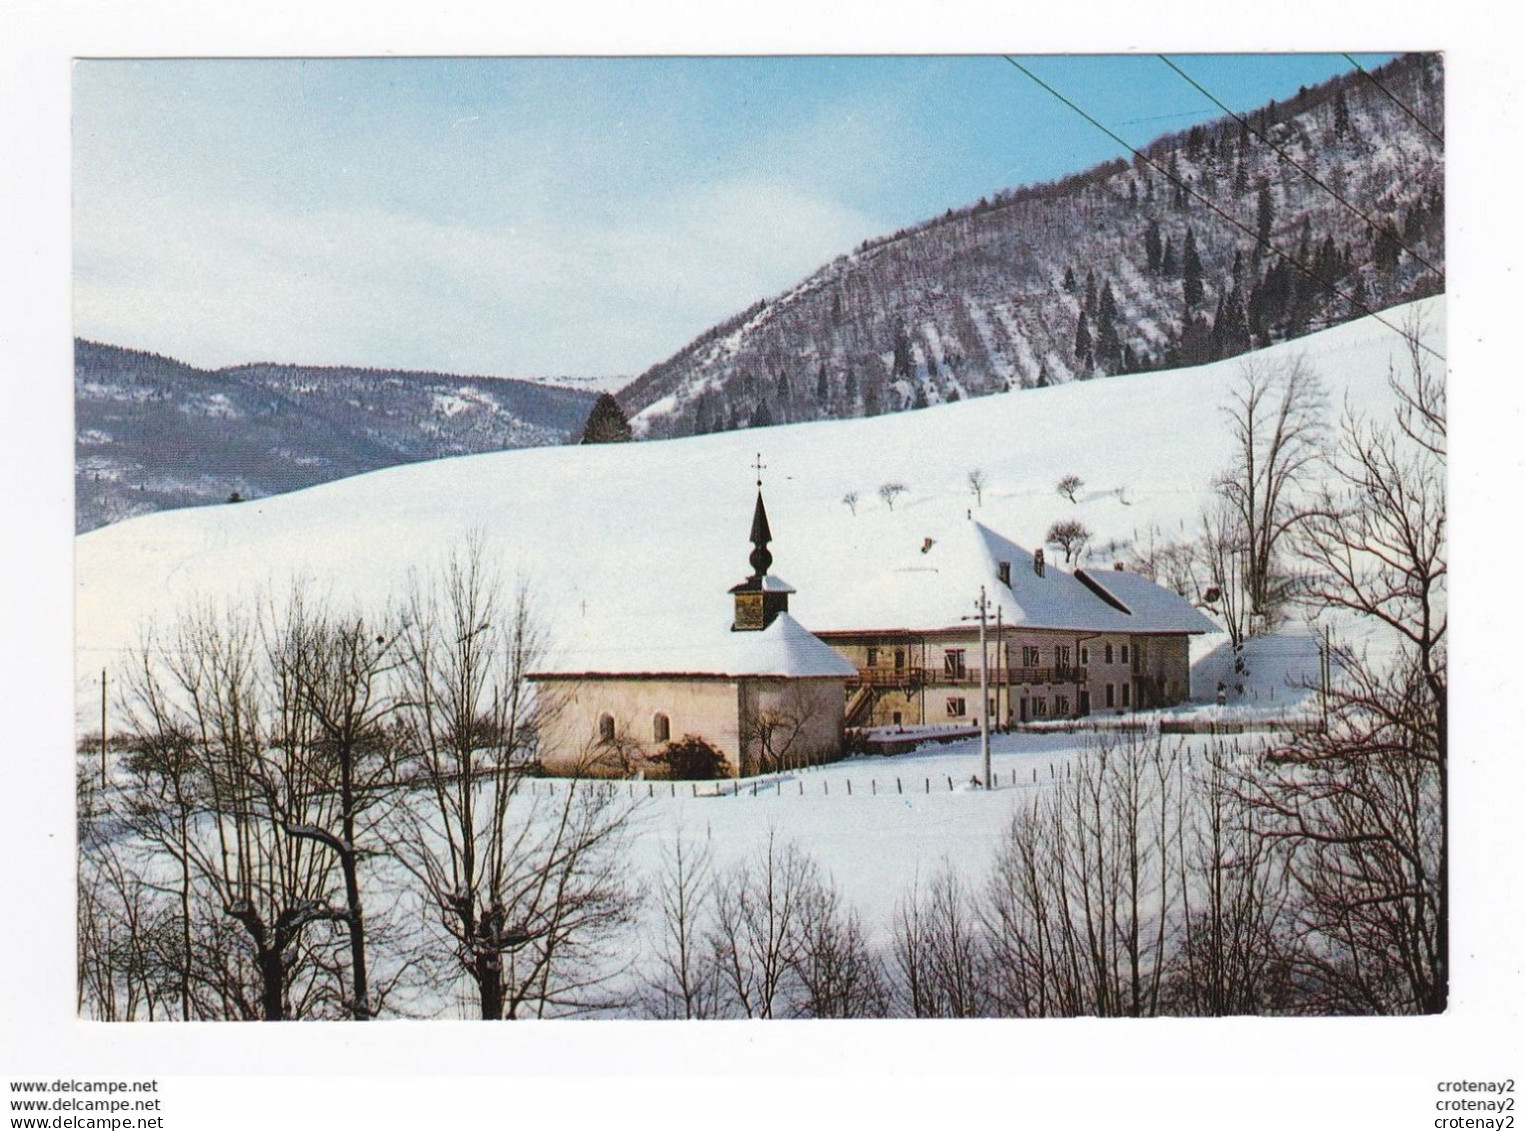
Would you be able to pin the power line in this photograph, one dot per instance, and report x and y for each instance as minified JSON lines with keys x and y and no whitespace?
{"x":1396,"y":101}
{"x":1184,"y":187}
{"x":1312,"y":176}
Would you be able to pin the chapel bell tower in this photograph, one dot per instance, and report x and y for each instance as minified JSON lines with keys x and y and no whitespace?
{"x":760,"y":598}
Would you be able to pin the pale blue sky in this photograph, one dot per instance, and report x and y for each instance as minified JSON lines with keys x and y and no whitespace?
{"x":527,"y":217}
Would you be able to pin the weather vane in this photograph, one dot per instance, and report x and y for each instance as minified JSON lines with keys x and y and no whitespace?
{"x":759,"y":467}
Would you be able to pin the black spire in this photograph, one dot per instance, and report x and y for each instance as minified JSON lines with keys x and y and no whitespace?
{"x":760,"y":558}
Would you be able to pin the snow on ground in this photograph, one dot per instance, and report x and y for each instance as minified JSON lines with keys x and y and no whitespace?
{"x":879,"y":840}
{"x":628,"y":541}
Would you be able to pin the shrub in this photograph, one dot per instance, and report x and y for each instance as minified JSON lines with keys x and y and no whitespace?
{"x":693,"y":759}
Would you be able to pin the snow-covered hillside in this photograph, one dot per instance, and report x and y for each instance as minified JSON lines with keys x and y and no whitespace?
{"x":624,"y":539}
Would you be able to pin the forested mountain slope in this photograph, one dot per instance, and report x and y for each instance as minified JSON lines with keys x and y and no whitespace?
{"x":1228,"y":236}
{"x":153,"y":433}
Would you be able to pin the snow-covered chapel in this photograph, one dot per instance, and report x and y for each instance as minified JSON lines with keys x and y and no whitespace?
{"x":764,"y":690}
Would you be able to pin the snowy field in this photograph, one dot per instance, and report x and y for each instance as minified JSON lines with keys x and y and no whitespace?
{"x":877,"y":839}
{"x":618,"y":542}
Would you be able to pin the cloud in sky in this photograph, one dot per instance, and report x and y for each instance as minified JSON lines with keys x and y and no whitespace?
{"x":217,"y":285}
{"x":534,"y":216}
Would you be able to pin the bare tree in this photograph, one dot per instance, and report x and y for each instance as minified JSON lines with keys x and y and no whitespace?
{"x":1278,"y":422}
{"x":777,"y":736}
{"x":1361,"y":806}
{"x":755,"y":937}
{"x":891,"y":491}
{"x":850,"y":501}
{"x":212,"y":793}
{"x":1165,"y":561}
{"x":836,"y":972}
{"x":978,"y":481}
{"x":129,"y":963}
{"x":1224,"y":555}
{"x":526,"y":889}
{"x":1070,"y":535}
{"x":1069,"y":486}
{"x":1081,"y":904}
{"x":332,"y":674}
{"x":686,"y":982}
{"x":1235,"y":950}
{"x":936,"y":953}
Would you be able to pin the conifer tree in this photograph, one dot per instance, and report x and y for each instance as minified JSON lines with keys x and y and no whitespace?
{"x":1106,"y":306}
{"x":1341,"y":115}
{"x":1191,"y":271}
{"x":1263,"y":218}
{"x":607,"y":423}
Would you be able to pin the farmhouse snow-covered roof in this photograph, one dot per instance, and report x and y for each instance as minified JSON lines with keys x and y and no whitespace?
{"x":785,"y":648}
{"x":1161,"y":609}
{"x":935,"y":582}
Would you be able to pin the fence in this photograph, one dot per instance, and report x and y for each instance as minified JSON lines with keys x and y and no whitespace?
{"x":898,"y":786}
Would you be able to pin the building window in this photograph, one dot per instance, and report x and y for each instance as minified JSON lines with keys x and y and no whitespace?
{"x":606,"y":728}
{"x":895,"y":718}
{"x":873,"y":657}
{"x":1111,"y":695}
{"x":1106,"y":654}
{"x":661,"y":729}
{"x":899,"y":659}
{"x":1141,"y":653}
{"x":1061,"y":655}
{"x":1030,"y":657}
{"x":1085,"y":655}
{"x":1062,"y":706}
{"x":953,"y":663}
{"x":955,"y":707}
{"x":1127,"y":688}
{"x":1124,"y":657}
{"x":1040,"y":708}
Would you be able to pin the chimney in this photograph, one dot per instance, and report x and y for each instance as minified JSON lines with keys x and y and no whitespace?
{"x":1038,"y":562}
{"x":926,"y":544}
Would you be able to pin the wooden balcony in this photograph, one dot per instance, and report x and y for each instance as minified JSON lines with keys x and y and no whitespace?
{"x":1045,"y":675}
{"x":890,"y":677}
{"x":966,"y":677}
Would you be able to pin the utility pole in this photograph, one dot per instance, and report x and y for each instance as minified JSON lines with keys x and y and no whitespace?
{"x":984,"y":605}
{"x":1000,"y":673}
{"x":103,"y":728}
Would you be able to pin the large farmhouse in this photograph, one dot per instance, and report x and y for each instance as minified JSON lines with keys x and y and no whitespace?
{"x":1061,"y":644}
